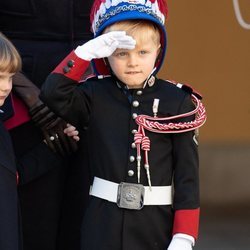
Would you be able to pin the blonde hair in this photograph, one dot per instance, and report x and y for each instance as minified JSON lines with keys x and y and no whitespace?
{"x":140,"y":30}
{"x":10,"y":60}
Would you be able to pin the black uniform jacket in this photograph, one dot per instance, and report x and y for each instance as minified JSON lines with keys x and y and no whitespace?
{"x":106,"y":110}
{"x":29,"y":167}
{"x":9,"y":225}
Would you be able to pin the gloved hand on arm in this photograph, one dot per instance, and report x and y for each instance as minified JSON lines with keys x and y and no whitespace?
{"x":50,"y":124}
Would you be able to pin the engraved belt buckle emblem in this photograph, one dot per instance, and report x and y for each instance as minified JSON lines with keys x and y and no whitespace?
{"x":130,"y":196}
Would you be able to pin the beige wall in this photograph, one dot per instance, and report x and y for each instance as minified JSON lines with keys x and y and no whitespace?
{"x":208,"y":49}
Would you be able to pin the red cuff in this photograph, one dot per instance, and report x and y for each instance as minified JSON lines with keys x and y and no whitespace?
{"x":187,"y":222}
{"x":72,"y":66}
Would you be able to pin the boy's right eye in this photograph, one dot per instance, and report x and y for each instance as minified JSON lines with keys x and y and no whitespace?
{"x":121,"y":54}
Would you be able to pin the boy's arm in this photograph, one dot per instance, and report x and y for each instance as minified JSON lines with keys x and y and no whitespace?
{"x":76,"y":63}
{"x":186,"y":184}
{"x":48,"y":123}
{"x":60,"y":91}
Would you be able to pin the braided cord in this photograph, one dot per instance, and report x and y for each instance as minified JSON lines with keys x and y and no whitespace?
{"x":153,"y":123}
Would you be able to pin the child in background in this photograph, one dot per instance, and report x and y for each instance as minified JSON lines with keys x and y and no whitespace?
{"x":41,"y":158}
{"x":10,"y":63}
{"x":140,"y":131}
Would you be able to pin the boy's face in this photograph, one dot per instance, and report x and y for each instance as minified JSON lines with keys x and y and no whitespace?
{"x":133,"y":67}
{"x":5,"y":86}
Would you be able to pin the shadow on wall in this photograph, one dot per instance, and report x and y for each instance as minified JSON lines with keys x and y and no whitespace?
{"x":225,"y":228}
{"x":225,"y":174}
{"x":225,"y":197}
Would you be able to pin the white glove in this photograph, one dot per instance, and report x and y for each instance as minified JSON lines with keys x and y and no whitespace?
{"x":181,"y":242}
{"x":105,"y":45}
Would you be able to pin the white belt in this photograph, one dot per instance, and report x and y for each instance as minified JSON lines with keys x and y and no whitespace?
{"x":108,"y":190}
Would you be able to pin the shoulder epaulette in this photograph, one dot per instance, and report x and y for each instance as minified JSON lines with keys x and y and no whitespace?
{"x":187,"y":88}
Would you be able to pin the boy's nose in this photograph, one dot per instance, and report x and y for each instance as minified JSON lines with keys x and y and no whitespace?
{"x":132,"y":61}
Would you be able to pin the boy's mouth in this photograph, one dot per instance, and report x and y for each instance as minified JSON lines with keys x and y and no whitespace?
{"x":133,"y":72}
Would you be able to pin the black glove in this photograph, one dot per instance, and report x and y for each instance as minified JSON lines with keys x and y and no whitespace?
{"x":25,"y":89}
{"x":51,"y":125}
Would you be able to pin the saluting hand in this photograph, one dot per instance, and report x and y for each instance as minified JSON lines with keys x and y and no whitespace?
{"x":104,"y":45}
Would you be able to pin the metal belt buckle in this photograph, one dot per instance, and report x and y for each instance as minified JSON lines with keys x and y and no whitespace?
{"x":130,"y":196}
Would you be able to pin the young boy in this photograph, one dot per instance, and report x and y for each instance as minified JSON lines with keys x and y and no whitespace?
{"x":10,"y":63}
{"x":32,"y":165}
{"x":134,"y":156}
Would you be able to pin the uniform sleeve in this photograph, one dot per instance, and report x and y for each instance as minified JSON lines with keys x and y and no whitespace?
{"x":62,"y":93}
{"x":186,"y":179}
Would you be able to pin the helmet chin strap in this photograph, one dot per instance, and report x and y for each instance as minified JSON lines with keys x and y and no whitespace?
{"x":150,"y":79}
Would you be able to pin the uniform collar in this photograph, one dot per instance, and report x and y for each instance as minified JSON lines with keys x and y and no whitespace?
{"x":149,"y":82}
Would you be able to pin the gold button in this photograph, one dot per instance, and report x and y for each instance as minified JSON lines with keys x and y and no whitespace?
{"x":70,"y":63}
{"x":131,"y":158}
{"x":134,"y":115}
{"x":66,"y":69}
{"x":131,"y":173}
{"x":135,"y":104}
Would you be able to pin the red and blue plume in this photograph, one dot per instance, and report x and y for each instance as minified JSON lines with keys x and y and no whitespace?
{"x":162,"y":6}
{"x":96,"y":6}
